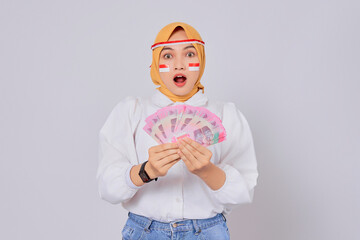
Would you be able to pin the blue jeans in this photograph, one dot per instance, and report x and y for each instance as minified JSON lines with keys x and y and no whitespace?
{"x":138,"y":227}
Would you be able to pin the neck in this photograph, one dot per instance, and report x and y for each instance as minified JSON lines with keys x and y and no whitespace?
{"x":176,"y":98}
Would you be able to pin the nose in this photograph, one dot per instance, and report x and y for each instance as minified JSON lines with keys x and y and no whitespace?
{"x":179,"y":64}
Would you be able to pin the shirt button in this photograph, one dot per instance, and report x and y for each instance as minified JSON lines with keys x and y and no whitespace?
{"x":174,"y":225}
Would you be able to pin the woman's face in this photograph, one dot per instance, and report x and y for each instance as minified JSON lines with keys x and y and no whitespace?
{"x":174,"y":65}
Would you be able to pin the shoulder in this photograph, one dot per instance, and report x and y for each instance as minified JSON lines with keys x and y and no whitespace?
{"x":126,"y":110}
{"x":129,"y":105}
{"x":231,"y":108}
{"x":128,"y":102}
{"x":231,"y":117}
{"x":225,"y":109}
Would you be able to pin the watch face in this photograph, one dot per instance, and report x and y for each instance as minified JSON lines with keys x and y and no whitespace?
{"x":144,"y":177}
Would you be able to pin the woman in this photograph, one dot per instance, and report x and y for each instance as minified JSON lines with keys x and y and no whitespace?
{"x":195,"y":186}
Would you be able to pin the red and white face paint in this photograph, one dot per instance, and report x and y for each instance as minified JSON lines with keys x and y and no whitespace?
{"x":194,"y":66}
{"x":164,"y":68}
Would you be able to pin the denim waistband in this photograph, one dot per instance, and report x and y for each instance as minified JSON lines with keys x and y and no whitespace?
{"x":175,"y":226}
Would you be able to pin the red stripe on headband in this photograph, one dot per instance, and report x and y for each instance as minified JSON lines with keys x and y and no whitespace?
{"x":175,"y":42}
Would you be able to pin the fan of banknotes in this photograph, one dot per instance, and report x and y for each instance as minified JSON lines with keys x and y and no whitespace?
{"x":172,"y":123}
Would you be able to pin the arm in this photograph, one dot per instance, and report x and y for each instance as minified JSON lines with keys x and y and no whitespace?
{"x":161,"y":158}
{"x":238,"y":160}
{"x":213,"y":176}
{"x":197,"y":159}
{"x":117,"y":152}
{"x":233,"y":181}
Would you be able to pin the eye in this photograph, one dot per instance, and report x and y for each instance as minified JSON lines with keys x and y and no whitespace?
{"x":167,"y":55}
{"x":190,"y":54}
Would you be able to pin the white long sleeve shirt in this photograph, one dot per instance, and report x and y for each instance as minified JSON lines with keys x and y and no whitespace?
{"x":180,"y":194}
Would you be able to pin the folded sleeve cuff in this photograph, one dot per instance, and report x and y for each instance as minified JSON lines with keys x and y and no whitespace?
{"x":128,"y":180}
{"x":234,"y":190}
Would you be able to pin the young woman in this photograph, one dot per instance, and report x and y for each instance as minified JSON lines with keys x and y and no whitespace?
{"x":195,"y":186}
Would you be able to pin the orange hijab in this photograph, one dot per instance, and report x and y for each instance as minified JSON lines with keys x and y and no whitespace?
{"x":164,"y":36}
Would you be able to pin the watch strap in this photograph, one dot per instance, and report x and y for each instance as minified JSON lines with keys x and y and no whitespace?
{"x":143,"y":174}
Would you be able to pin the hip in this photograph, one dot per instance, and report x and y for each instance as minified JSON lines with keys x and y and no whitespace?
{"x":139,"y":227}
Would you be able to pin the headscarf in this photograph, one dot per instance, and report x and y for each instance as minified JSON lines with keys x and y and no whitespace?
{"x":164,"y":36}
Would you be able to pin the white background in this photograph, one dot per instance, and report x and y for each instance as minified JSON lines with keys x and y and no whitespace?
{"x":292,"y":68}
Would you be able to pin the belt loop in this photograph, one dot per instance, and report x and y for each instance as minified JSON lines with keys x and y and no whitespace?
{"x":147,"y":225}
{"x":223,"y":217}
{"x":197,"y":228}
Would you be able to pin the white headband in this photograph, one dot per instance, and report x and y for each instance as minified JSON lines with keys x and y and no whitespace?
{"x":160,"y":44}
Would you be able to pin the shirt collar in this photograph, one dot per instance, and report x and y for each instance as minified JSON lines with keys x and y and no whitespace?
{"x":160,"y":100}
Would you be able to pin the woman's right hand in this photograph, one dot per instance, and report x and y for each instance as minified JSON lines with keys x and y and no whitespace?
{"x":161,"y":158}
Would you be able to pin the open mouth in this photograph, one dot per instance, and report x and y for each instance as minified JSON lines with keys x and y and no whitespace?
{"x":180,"y":80}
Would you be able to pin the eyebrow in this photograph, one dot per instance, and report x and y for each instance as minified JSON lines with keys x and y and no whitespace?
{"x":169,"y":48}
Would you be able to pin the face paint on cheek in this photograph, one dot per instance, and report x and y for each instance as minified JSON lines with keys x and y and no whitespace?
{"x":164,"y":68}
{"x":194,"y":66}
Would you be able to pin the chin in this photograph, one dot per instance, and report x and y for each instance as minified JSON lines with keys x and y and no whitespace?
{"x":181,"y":93}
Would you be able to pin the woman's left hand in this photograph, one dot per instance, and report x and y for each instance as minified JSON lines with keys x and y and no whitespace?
{"x":195,"y":156}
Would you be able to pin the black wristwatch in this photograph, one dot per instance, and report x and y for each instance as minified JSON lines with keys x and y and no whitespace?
{"x":143,"y":174}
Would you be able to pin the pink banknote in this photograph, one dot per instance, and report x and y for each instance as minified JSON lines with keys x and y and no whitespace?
{"x":171,"y":123}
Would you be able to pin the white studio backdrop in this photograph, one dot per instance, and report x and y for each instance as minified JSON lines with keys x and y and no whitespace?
{"x":292,"y":68}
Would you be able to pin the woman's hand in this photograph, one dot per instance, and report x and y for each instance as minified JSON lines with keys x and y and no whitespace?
{"x":161,"y":158}
{"x":195,"y":156}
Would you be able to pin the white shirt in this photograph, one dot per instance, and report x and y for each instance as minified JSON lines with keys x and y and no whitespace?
{"x":180,"y":194}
